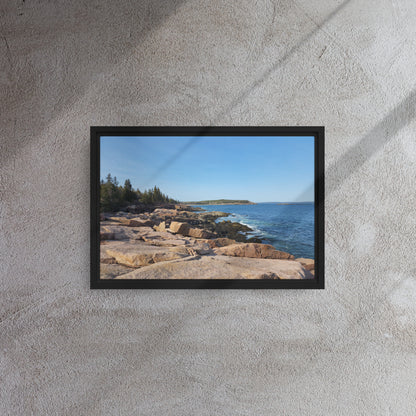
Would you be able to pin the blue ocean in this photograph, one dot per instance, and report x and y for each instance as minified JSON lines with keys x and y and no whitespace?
{"x":288,"y":228}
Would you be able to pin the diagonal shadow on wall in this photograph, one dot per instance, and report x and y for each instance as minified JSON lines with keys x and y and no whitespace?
{"x":349,"y":162}
{"x":266,"y":74}
{"x":246,"y":92}
{"x":373,"y":141}
{"x":68,"y":55}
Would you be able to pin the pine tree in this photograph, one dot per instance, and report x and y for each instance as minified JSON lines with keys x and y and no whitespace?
{"x":114,"y":197}
{"x":128,"y":194}
{"x":110,"y":195}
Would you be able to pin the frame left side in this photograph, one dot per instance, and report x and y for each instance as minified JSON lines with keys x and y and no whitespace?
{"x":94,"y":208}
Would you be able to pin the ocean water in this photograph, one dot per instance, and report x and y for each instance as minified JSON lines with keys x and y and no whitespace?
{"x":288,"y":228}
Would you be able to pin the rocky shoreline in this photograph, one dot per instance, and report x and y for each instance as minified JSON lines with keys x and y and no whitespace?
{"x":183,"y":242}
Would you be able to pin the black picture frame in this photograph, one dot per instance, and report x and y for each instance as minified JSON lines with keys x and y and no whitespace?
{"x":317,"y":132}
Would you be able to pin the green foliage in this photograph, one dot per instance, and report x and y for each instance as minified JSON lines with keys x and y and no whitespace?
{"x":127,"y":193}
{"x":110,"y":194}
{"x":114,"y":197}
{"x":155,"y":196}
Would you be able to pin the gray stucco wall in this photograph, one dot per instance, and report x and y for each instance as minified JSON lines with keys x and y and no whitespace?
{"x":348,"y":350}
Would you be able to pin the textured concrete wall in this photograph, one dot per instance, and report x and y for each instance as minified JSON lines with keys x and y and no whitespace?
{"x":348,"y":350}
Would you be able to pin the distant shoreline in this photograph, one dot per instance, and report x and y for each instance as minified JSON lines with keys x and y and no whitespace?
{"x":220,"y":202}
{"x":243,"y":202}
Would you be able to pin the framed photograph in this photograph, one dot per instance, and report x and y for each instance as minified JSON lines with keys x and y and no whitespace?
{"x":207,"y":207}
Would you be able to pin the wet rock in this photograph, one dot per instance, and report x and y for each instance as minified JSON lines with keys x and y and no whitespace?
{"x":212,"y":215}
{"x":254,"y":240}
{"x":229,"y":229}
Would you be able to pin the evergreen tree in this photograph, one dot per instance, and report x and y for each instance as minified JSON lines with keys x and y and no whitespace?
{"x":114,"y":197}
{"x":110,"y":195}
{"x":128,"y":194}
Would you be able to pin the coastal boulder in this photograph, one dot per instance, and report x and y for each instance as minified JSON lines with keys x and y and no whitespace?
{"x":120,"y":232}
{"x":139,"y":222}
{"x":164,"y":213}
{"x":253,"y":250}
{"x":161,"y":242}
{"x":212,"y":215}
{"x":140,"y":254}
{"x":199,"y":233}
{"x":105,"y":258}
{"x":222,"y":242}
{"x":164,"y":239}
{"x":183,"y":207}
{"x":106,"y":234}
{"x":219,"y":242}
{"x":308,"y":264}
{"x":179,"y":227}
{"x":231,"y":229}
{"x":121,"y":220}
{"x":110,"y":271}
{"x":161,"y":227}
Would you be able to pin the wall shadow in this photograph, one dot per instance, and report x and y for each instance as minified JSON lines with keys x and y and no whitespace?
{"x":373,"y":141}
{"x":74,"y":48}
{"x":266,"y":74}
{"x":246,"y":92}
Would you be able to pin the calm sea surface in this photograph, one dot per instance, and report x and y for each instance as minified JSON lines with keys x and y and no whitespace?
{"x":289,"y":228}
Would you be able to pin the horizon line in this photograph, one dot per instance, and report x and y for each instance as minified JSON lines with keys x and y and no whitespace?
{"x":256,"y":202}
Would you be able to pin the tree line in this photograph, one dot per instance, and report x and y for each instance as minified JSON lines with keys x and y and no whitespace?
{"x":114,"y":197}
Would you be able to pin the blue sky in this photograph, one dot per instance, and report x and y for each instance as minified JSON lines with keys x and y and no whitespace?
{"x":260,"y":169}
